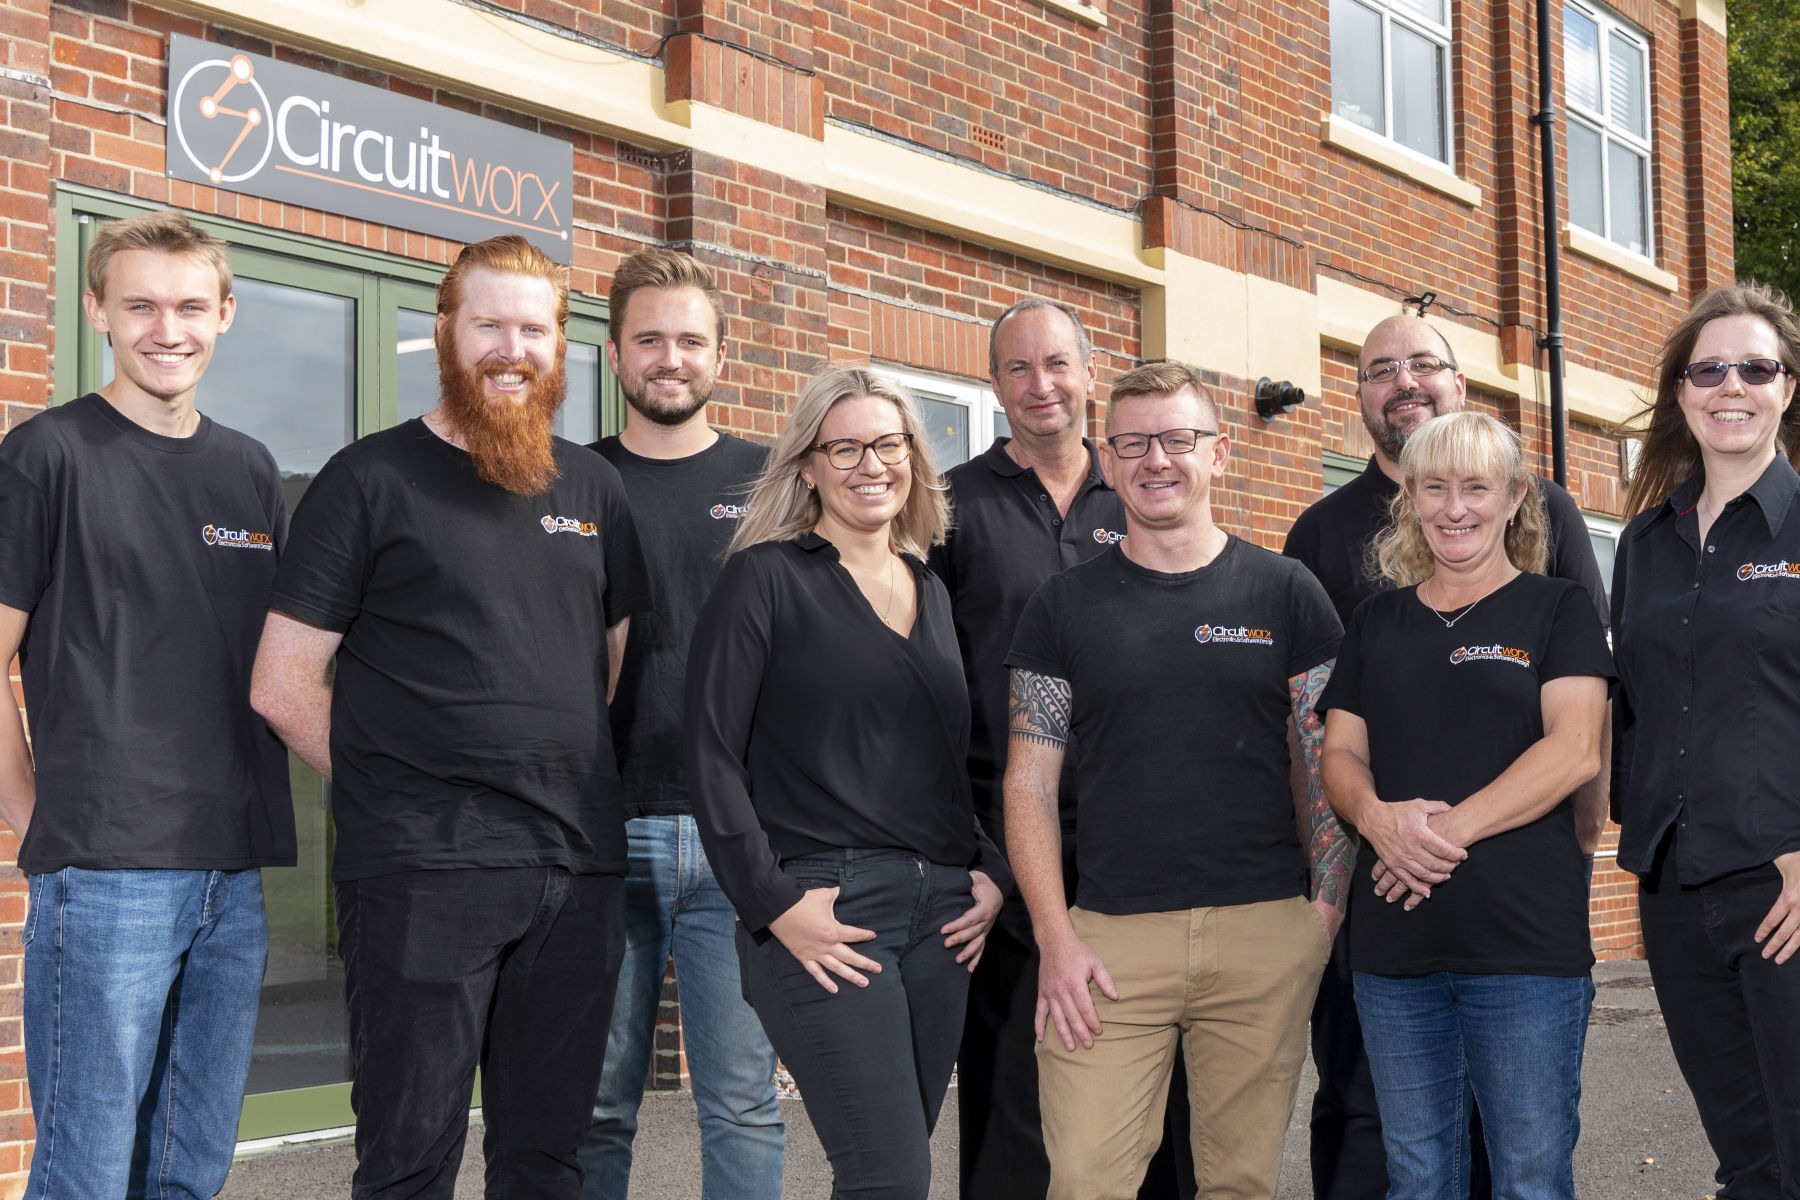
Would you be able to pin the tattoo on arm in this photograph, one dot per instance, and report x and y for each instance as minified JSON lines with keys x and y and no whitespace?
{"x":1038,"y":710}
{"x":1331,"y":849}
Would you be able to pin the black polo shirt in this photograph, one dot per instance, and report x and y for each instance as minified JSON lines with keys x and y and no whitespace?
{"x":1332,"y":538}
{"x":1707,"y":715}
{"x":1008,"y":538}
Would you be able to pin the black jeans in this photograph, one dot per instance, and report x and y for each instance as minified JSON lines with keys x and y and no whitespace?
{"x":1732,"y":1017}
{"x":511,"y":968}
{"x":872,"y":1063}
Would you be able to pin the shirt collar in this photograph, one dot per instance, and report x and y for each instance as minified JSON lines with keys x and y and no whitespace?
{"x":1002,"y":464}
{"x":1773,"y":493}
{"x":811,"y":542}
{"x":1378,"y":479}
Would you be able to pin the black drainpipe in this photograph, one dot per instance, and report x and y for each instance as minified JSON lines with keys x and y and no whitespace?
{"x":1552,"y":341}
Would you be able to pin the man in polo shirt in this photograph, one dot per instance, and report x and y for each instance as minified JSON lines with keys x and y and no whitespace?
{"x":137,"y":545}
{"x":1031,"y":505}
{"x":1184,"y":663}
{"x":1406,"y":374}
{"x":473,"y":578}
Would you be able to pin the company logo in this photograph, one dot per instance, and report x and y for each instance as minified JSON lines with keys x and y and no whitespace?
{"x":730,"y":512}
{"x":568,"y":525}
{"x":236,"y":539}
{"x":1242,"y":634}
{"x":1780,"y":570}
{"x":1463,"y":654}
{"x":1107,"y":537}
{"x":270,"y":128}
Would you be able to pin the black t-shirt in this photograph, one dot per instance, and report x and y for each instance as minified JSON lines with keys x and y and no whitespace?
{"x":1448,"y":710}
{"x":1332,"y":538}
{"x":685,"y":510}
{"x":145,"y":563}
{"x":1180,"y":703}
{"x":1007,"y":539}
{"x":813,"y":726}
{"x":468,"y":719}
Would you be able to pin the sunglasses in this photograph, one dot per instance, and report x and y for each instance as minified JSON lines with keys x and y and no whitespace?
{"x":1753,"y":371}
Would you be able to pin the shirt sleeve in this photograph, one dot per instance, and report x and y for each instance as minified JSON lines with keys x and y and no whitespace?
{"x":1571,"y":550}
{"x":1624,"y":723}
{"x":627,"y":576}
{"x":1313,"y":622}
{"x":726,"y":658}
{"x":1035,"y":645}
{"x":324,"y":565}
{"x":27,"y":538}
{"x":1344,"y":688}
{"x":1577,"y":643}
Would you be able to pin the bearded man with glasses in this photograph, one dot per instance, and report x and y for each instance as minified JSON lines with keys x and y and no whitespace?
{"x":1406,"y":374}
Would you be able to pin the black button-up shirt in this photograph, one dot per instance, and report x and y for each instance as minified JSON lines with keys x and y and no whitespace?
{"x":1706,"y":723}
{"x":1008,"y":538}
{"x":1332,"y":539}
{"x":812,"y":726}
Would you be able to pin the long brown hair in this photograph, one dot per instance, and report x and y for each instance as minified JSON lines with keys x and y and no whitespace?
{"x":1668,"y":453}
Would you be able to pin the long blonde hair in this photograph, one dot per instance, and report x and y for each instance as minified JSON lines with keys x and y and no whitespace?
{"x":1466,"y":445}
{"x":782,"y":507}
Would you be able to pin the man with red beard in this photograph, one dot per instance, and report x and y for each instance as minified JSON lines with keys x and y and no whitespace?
{"x":1406,"y":375}
{"x":473,"y":577}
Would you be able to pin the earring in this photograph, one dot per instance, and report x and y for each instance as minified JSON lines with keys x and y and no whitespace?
{"x":808,"y":483}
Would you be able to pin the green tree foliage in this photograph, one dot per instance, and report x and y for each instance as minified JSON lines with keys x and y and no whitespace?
{"x":1765,"y":139}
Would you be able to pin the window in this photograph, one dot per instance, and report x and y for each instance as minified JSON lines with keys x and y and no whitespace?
{"x":1606,"y":85}
{"x":1603,"y":533}
{"x":962,"y":417}
{"x":1390,"y":71}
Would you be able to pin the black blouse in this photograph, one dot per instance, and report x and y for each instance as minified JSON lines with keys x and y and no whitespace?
{"x":1707,"y":716}
{"x":811,"y":725}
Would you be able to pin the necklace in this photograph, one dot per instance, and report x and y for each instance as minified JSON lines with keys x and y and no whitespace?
{"x":1450,"y":622}
{"x":889,"y":606}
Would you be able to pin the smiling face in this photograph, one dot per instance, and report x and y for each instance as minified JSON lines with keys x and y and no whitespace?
{"x":503,"y":333}
{"x":162,"y":313}
{"x":1392,"y":410}
{"x":1042,"y":384}
{"x":666,"y":353}
{"x":868,"y":496}
{"x":1733,"y":420}
{"x":1464,"y":517}
{"x":1162,"y":490}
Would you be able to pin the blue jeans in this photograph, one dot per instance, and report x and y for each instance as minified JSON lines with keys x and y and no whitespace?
{"x":141,"y":990}
{"x":673,"y":905}
{"x":1515,"y":1040}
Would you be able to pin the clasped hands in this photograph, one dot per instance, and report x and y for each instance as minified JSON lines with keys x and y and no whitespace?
{"x":1416,"y":848}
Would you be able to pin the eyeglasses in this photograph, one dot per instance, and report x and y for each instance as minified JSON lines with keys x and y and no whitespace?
{"x":1420,"y":365}
{"x":1753,"y":371}
{"x":1173,"y":441}
{"x":846,"y":454}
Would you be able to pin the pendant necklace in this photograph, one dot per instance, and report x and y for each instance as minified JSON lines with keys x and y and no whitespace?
{"x":889,"y":606}
{"x":1450,"y":622}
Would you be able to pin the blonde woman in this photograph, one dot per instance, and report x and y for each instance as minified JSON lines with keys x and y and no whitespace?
{"x":827,"y":729}
{"x":1464,"y":711}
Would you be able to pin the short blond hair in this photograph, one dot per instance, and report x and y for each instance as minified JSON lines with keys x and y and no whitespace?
{"x":166,"y":232}
{"x":1164,"y":377}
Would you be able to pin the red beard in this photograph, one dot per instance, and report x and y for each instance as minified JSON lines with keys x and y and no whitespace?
{"x":511,"y":444}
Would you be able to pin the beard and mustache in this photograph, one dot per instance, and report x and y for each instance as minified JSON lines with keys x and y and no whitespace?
{"x":511,"y":444}
{"x":637,"y":393}
{"x":1386,"y":436}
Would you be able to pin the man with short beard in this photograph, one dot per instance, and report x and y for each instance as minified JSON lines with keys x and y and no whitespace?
{"x":473,"y":577}
{"x":687,"y":484}
{"x":1406,"y":374}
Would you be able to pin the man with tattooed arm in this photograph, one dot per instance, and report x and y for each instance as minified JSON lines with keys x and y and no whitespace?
{"x":1186,"y":663}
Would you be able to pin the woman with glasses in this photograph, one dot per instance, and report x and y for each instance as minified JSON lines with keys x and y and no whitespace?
{"x":1464,"y":711}
{"x":827,"y":730}
{"x":1706,"y":777}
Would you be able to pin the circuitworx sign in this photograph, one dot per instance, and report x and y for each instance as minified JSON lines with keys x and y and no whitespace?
{"x":271,"y":129}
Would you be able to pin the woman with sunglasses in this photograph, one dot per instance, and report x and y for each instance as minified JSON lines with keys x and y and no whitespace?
{"x":827,"y":729}
{"x":1706,"y":781}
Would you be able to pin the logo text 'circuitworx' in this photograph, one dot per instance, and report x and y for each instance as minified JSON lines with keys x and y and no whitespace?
{"x":236,"y":539}
{"x":1777,"y":570}
{"x":568,"y":525}
{"x":730,"y":512}
{"x":1242,"y":634}
{"x":1463,"y":654}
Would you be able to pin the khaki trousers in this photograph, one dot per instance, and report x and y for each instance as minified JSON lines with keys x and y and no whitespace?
{"x":1235,"y":984}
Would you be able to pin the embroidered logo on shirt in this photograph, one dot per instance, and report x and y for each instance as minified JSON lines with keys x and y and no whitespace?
{"x":1463,"y":654}
{"x":569,"y":525}
{"x":1107,"y":537}
{"x":1780,"y":570}
{"x":730,"y":512}
{"x":1242,"y":634}
{"x":236,"y":539}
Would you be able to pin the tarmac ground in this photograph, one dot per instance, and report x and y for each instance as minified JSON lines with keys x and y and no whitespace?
{"x":1640,"y":1135}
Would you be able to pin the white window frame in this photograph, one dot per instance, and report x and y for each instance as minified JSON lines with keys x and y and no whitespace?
{"x":1599,"y":525}
{"x":978,"y":401}
{"x":1600,"y":122}
{"x":1440,"y":35}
